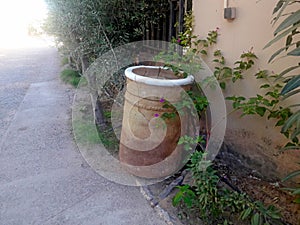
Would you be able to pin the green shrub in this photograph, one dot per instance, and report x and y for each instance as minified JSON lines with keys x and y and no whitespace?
{"x":86,"y":29}
{"x":71,"y":77}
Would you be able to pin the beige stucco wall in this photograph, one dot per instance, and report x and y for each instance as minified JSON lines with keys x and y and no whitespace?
{"x":254,"y":137}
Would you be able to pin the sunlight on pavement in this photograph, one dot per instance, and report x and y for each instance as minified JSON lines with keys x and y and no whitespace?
{"x":16,"y":16}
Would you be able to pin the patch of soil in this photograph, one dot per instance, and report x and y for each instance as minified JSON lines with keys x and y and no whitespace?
{"x":256,"y":188}
{"x":272,"y":195}
{"x":266,"y":192}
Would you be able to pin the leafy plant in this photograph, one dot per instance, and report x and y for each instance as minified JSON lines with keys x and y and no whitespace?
{"x":224,"y":73}
{"x":70,"y":76}
{"x":265,"y":104}
{"x":181,"y":65}
{"x":188,"y":141}
{"x":85,"y":29}
{"x":215,"y":203}
{"x":192,"y":43}
{"x":294,"y":191}
{"x":288,"y":29}
{"x":186,"y":37}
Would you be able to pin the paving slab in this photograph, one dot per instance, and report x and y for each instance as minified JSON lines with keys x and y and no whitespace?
{"x":44,"y":180}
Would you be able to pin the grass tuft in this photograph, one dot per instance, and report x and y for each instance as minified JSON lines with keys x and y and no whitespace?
{"x":71,"y":77}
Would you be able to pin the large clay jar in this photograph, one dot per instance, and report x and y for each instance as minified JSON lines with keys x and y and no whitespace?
{"x":148,"y":145}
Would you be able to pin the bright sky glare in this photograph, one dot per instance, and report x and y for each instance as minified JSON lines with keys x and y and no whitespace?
{"x":15,"y":16}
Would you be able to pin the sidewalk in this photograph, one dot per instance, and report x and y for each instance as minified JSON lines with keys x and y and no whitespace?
{"x":43,"y":178}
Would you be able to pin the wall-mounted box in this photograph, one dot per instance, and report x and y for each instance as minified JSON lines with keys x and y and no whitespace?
{"x":230,"y":13}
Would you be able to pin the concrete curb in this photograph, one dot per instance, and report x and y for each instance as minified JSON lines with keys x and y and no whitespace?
{"x":164,"y":214}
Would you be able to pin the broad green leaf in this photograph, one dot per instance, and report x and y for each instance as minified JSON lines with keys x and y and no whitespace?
{"x":289,"y":40}
{"x":286,"y":2}
{"x":223,"y":85}
{"x":276,"y":54}
{"x":295,"y":133}
{"x":292,"y":120}
{"x":261,"y":111}
{"x":295,"y":52}
{"x":246,"y":213}
{"x":203,"y":52}
{"x":287,"y":148}
{"x":296,"y":191}
{"x":282,"y":35}
{"x":288,"y":70}
{"x":255,"y":220}
{"x":265,"y":86}
{"x":292,"y":19}
{"x":296,"y":140}
{"x":279,"y":51}
{"x":278,"y":6}
{"x":291,"y":85}
{"x":291,"y":175}
{"x":291,"y":94}
{"x":279,"y":123}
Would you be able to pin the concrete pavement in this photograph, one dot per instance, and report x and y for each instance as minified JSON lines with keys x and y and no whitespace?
{"x":44,"y":180}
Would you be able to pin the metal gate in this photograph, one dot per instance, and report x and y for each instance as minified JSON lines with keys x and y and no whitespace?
{"x":167,"y":28}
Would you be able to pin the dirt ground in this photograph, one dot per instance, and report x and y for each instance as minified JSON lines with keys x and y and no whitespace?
{"x":257,"y":189}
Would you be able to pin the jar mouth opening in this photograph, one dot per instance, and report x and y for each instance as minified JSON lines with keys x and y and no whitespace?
{"x":156,"y":75}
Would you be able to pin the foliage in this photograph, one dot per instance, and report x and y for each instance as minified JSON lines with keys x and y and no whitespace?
{"x":224,"y":73}
{"x":84,"y":29}
{"x":289,"y":29}
{"x":217,"y":204}
{"x":181,"y":65}
{"x":192,"y":43}
{"x":267,"y":104}
{"x":189,"y":100}
{"x":188,"y":141}
{"x":71,"y":76}
{"x":294,"y":191}
{"x":185,"y":38}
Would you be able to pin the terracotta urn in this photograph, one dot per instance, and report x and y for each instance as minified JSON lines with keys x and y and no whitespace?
{"x":149,"y":142}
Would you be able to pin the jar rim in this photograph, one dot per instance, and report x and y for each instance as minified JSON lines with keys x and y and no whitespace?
{"x":155,"y":81}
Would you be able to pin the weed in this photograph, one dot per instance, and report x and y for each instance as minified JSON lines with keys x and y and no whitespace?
{"x":70,"y":76}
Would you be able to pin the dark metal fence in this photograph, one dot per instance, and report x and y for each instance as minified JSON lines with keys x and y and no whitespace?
{"x":170,"y":26}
